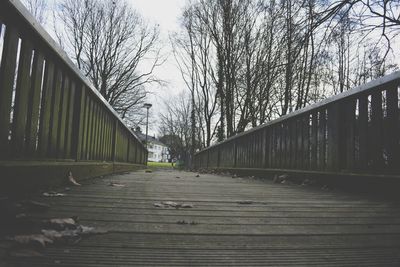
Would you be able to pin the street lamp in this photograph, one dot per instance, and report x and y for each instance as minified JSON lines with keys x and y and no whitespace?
{"x":147,"y":106}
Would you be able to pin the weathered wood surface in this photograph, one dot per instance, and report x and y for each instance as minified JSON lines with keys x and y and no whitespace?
{"x":286,"y":225}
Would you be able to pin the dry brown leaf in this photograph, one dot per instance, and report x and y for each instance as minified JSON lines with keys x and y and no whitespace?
{"x":72,"y":180}
{"x":35,"y":205}
{"x":52,"y":234}
{"x":170,"y":204}
{"x":53,"y":194}
{"x":22,"y":253}
{"x":63,"y":221}
{"x":116,"y":184}
{"x":245,"y":202}
{"x":186,"y":205}
{"x":158,"y":205}
{"x":40,"y":239}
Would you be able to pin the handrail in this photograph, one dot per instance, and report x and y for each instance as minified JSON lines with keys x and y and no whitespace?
{"x":48,"y":108}
{"x":353,"y":132}
{"x":349,"y":93}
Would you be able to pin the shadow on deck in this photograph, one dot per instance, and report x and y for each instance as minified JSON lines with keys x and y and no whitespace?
{"x":233,"y":222}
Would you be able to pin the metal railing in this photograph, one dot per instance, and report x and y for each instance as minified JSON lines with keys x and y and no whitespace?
{"x":48,"y":109}
{"x":356,"y":132}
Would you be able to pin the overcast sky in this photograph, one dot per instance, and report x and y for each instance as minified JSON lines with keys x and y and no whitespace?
{"x":166,"y":14}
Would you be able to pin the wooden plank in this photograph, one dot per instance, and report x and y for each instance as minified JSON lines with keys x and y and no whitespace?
{"x":376,"y":131}
{"x":314,"y":141}
{"x":91,"y":128}
{"x":55,"y":114}
{"x":321,"y":139}
{"x":363,"y":132}
{"x":95,"y":134}
{"x":35,"y":103}
{"x":299,"y":143}
{"x":334,"y":128}
{"x":306,"y":142}
{"x":114,"y":141}
{"x":392,"y":126}
{"x":64,"y":100}
{"x":285,"y":225}
{"x":7,"y":74}
{"x":266,"y":148}
{"x":69,"y":147}
{"x":293,"y":143}
{"x":350,"y":121}
{"x":21,"y":100}
{"x":102,"y":135}
{"x":85,"y":124}
{"x":45,"y":116}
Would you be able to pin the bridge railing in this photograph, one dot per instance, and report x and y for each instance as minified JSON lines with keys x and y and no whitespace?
{"x":356,"y":132}
{"x":48,"y":109}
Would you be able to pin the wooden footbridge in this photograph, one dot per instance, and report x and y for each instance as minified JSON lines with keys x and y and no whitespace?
{"x":54,"y":123}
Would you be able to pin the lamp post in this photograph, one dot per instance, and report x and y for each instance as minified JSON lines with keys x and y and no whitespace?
{"x":147,"y":106}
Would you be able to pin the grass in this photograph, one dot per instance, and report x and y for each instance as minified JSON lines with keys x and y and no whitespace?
{"x":159,"y":165}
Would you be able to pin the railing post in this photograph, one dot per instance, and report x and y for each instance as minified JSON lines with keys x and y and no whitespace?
{"x":234,"y":153}
{"x":336,"y":137}
{"x":393,"y":127}
{"x":78,"y":122}
{"x":114,"y":141}
{"x":7,"y":74}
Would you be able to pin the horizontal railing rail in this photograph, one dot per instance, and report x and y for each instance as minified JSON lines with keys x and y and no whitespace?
{"x":48,"y":109}
{"x":355,"y":132}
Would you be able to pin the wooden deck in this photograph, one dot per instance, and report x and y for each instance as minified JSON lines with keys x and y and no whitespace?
{"x":286,"y":225}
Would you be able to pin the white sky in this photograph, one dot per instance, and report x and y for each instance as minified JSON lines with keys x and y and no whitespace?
{"x":166,"y":14}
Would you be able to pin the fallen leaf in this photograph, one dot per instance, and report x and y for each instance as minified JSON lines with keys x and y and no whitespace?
{"x":52,"y":234}
{"x":35,"y":205}
{"x":87,"y":230}
{"x":61,"y":223}
{"x":170,"y":204}
{"x":158,"y":205}
{"x":186,"y":205}
{"x":245,"y":202}
{"x":116,"y":184}
{"x":40,"y":239}
{"x":72,"y":180}
{"x":53,"y":194}
{"x":148,"y":171}
{"x":177,"y":177}
{"x":20,"y":216}
{"x":22,"y":253}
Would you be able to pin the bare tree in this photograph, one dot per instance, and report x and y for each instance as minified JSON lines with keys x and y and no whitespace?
{"x":109,"y":42}
{"x":37,"y":8}
{"x":175,"y":127}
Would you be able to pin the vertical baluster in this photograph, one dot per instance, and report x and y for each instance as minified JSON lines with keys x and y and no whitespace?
{"x":314,"y":140}
{"x":392,"y":126}
{"x":46,"y":109}
{"x":21,"y":99}
{"x":7,"y":74}
{"x":33,"y":108}
{"x":321,"y":139}
{"x":55,"y":113}
{"x":363,"y":132}
{"x":376,"y":131}
{"x":70,"y":121}
{"x":65,"y":91}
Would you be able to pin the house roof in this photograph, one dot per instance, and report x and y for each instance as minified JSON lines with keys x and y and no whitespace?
{"x":150,"y":139}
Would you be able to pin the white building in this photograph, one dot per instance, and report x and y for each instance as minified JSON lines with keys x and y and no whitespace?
{"x":158,"y":151}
